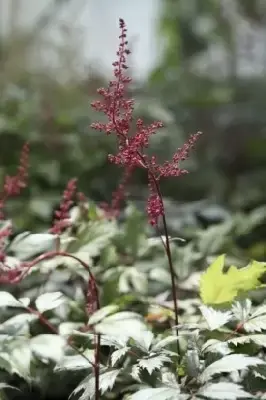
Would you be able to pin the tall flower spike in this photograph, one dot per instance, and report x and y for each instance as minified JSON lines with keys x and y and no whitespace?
{"x":62,"y":221}
{"x":132,"y":148}
{"x":14,"y":184}
{"x":115,"y":105}
{"x":4,"y":235}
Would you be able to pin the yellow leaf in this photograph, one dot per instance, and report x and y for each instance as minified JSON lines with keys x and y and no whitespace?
{"x":217,"y":287}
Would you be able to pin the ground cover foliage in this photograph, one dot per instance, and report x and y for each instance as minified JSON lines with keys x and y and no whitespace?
{"x":102,"y":306}
{"x":222,"y":324}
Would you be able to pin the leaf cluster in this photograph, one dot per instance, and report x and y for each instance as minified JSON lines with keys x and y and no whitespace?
{"x":221,"y":341}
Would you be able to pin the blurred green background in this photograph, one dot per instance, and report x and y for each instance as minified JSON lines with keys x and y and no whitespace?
{"x":202,"y":66}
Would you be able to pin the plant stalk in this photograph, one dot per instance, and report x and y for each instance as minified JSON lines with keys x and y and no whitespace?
{"x":97,"y":366}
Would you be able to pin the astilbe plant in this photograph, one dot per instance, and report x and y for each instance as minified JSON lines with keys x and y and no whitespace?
{"x":225,"y":343}
{"x":132,"y":148}
{"x":131,"y":154}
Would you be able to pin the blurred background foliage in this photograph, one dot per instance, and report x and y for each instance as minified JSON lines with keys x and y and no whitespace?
{"x":210,"y":76}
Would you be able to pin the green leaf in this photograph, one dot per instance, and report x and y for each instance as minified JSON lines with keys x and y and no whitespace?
{"x":117,"y":342}
{"x":106,"y":382}
{"x":215,"y":319}
{"x":252,"y":322}
{"x":5,"y":362}
{"x":17,"y":325}
{"x":27,"y":245}
{"x":213,"y":239}
{"x":93,"y":212}
{"x":76,"y":362}
{"x":117,"y":354}
{"x":164,"y":342}
{"x":99,"y":315}
{"x":20,"y":360}
{"x":217,"y":287}
{"x":134,"y":228}
{"x":255,"y":324}
{"x":162,"y":393}
{"x":259,"y":339}
{"x":224,"y":390}
{"x":144,"y":341}
{"x":95,"y":238}
{"x":229,"y":363}
{"x":153,"y":363}
{"x":6,"y":386}
{"x":130,"y":279}
{"x":242,"y":310}
{"x":123,"y":324}
{"x":192,"y":360}
{"x":7,"y":300}
{"x":49,"y":301}
{"x":67,"y":328}
{"x":216,"y":346}
{"x":48,"y":347}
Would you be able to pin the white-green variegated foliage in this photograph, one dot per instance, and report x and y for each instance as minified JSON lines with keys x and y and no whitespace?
{"x":219,"y":353}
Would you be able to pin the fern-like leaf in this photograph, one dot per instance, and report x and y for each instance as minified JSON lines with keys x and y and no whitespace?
{"x":251,"y":321}
{"x":118,"y":354}
{"x":153,"y":363}
{"x":259,"y":339}
{"x":162,"y":393}
{"x":216,"y":346}
{"x":215,"y":319}
{"x":161,"y":344}
{"x":229,"y":363}
{"x":106,"y":382}
{"x":242,"y":310}
{"x":224,"y":390}
{"x":144,"y":341}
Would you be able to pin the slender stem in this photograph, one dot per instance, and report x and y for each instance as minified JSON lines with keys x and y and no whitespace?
{"x":173,"y":284}
{"x":47,"y":256}
{"x":97,"y":366}
{"x":172,"y":272}
{"x":236,"y":330}
{"x":170,"y":262}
